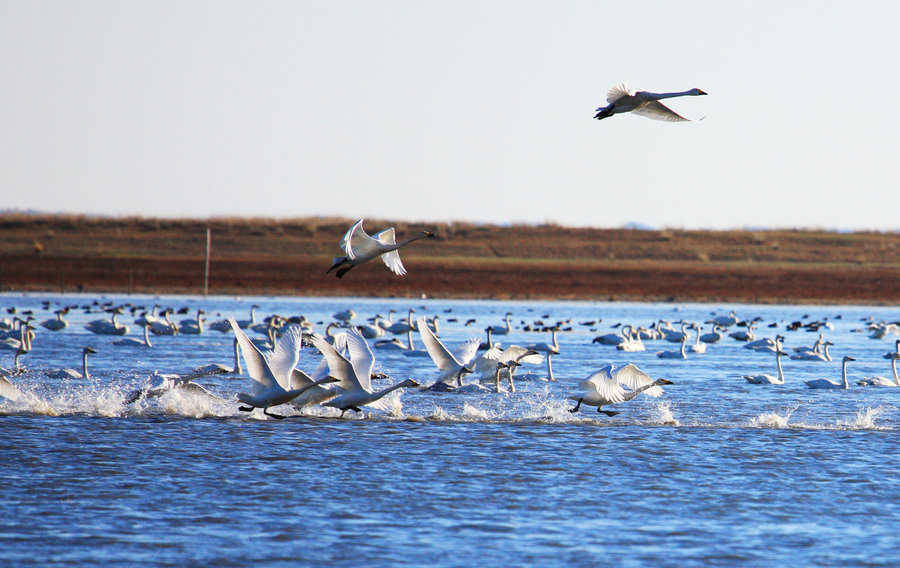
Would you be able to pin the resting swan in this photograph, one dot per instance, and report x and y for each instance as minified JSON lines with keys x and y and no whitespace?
{"x":830,"y":384}
{"x":359,"y":248}
{"x":883,"y":381}
{"x":643,"y":103}
{"x":61,"y":374}
{"x":765,"y":379}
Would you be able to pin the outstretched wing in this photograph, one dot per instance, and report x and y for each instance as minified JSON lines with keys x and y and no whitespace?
{"x":361,"y":358}
{"x":438,"y":352}
{"x":338,"y":365}
{"x":466,"y":351}
{"x":658,"y":111}
{"x":257,"y":366}
{"x":286,"y":355}
{"x":392,"y":261}
{"x":357,"y":242}
{"x":634,"y":378}
{"x":604,"y":385}
{"x":617,"y":92}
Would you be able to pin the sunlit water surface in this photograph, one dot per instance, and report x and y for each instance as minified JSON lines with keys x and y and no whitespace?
{"x":716,"y":472}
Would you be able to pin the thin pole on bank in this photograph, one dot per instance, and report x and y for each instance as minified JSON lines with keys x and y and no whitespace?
{"x":206,"y":270}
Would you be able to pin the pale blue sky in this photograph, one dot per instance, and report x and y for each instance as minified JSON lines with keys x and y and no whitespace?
{"x":453,"y":111}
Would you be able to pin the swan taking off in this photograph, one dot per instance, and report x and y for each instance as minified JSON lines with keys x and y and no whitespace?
{"x":644,"y":103}
{"x":359,"y":247}
{"x":606,"y":387}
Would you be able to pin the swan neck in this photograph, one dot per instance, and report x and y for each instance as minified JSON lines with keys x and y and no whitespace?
{"x":894,"y":371}
{"x":84,"y":369}
{"x":780,"y":371}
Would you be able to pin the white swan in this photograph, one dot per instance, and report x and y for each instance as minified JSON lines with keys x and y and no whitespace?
{"x":26,"y":333}
{"x":883,"y":381}
{"x":359,"y":247}
{"x":765,"y":379}
{"x":132,"y":342}
{"x":714,"y":336}
{"x":272,"y":376}
{"x":57,"y":323}
{"x":403,"y":326}
{"x":354,"y":374}
{"x":166,"y":327}
{"x":614,"y":338}
{"x":160,"y":383}
{"x":504,"y":329}
{"x":643,"y":103}
{"x":830,"y":384}
{"x":549,"y":348}
{"x":633,"y":342}
{"x":894,"y":353}
{"x":673,"y":336}
{"x":606,"y":387}
{"x":816,"y":348}
{"x":17,"y":369}
{"x":698,"y":346}
{"x":112,"y":327}
{"x":744,"y":335}
{"x":61,"y":374}
{"x":680,"y":354}
{"x":724,"y":321}
{"x":192,"y":326}
{"x":824,"y":355}
{"x":452,"y":365}
{"x":765,"y":344}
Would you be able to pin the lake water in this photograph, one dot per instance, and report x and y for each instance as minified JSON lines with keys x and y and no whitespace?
{"x":716,"y":472}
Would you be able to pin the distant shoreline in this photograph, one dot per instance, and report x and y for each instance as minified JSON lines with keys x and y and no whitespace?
{"x":289,"y":258}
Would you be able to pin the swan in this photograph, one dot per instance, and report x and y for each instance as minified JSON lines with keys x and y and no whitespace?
{"x":605,"y":387}
{"x":72,"y":373}
{"x":502,"y":330}
{"x":166,"y":327}
{"x":673,"y":336}
{"x":17,"y":369}
{"x":510,"y":367}
{"x":404,"y":326}
{"x":549,"y":348}
{"x":765,"y":379}
{"x":744,"y":335}
{"x":816,"y":348}
{"x":550,"y":376}
{"x":632,"y":342}
{"x":714,"y":336}
{"x":147,"y":319}
{"x":354,"y":374}
{"x":813,"y":356}
{"x":244,"y":324}
{"x":894,"y":353}
{"x":57,"y":323}
{"x":883,"y":381}
{"x":359,"y":248}
{"x":622,"y":99}
{"x":112,"y":327}
{"x":830,"y":384}
{"x":724,"y":321}
{"x":272,"y":376}
{"x":680,"y":354}
{"x":160,"y":383}
{"x":396,"y":344}
{"x":132,"y":342}
{"x":452,"y":365}
{"x":698,"y":347}
{"x":192,"y":326}
{"x":614,"y":338}
{"x":26,"y":333}
{"x":765,"y":344}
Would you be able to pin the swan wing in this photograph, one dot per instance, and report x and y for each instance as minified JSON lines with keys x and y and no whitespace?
{"x":361,"y":358}
{"x":438,"y":352}
{"x":658,"y":111}
{"x":286,"y":355}
{"x":257,"y":366}
{"x":392,"y":261}
{"x":603,"y":384}
{"x":634,"y":378}
{"x":617,"y":92}
{"x":357,"y":243}
{"x":338,"y":365}
{"x":466,"y":351}
{"x":387,"y":236}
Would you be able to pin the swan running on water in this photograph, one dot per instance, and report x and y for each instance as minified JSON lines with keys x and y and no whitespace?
{"x":643,"y":103}
{"x":272,"y":376}
{"x":605,"y":387}
{"x":359,"y":247}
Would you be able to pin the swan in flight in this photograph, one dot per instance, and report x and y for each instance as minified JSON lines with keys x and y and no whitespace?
{"x":766,"y":379}
{"x":452,"y":365}
{"x":160,"y":383}
{"x":271,"y":376}
{"x":883,"y":381}
{"x":622,"y":99}
{"x":61,"y":374}
{"x":359,"y":247}
{"x":354,"y":375}
{"x":606,"y":387}
{"x":830,"y":384}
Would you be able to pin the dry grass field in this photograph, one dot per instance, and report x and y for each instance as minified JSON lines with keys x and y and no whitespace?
{"x":290,"y":257}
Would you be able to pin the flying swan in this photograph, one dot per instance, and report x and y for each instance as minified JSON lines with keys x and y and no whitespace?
{"x":359,"y":247}
{"x":644,"y":103}
{"x":605,"y":387}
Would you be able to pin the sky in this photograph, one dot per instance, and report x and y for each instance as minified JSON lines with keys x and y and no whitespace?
{"x":453,"y":111}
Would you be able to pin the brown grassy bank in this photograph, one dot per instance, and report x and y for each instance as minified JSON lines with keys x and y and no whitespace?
{"x":289,"y":257}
